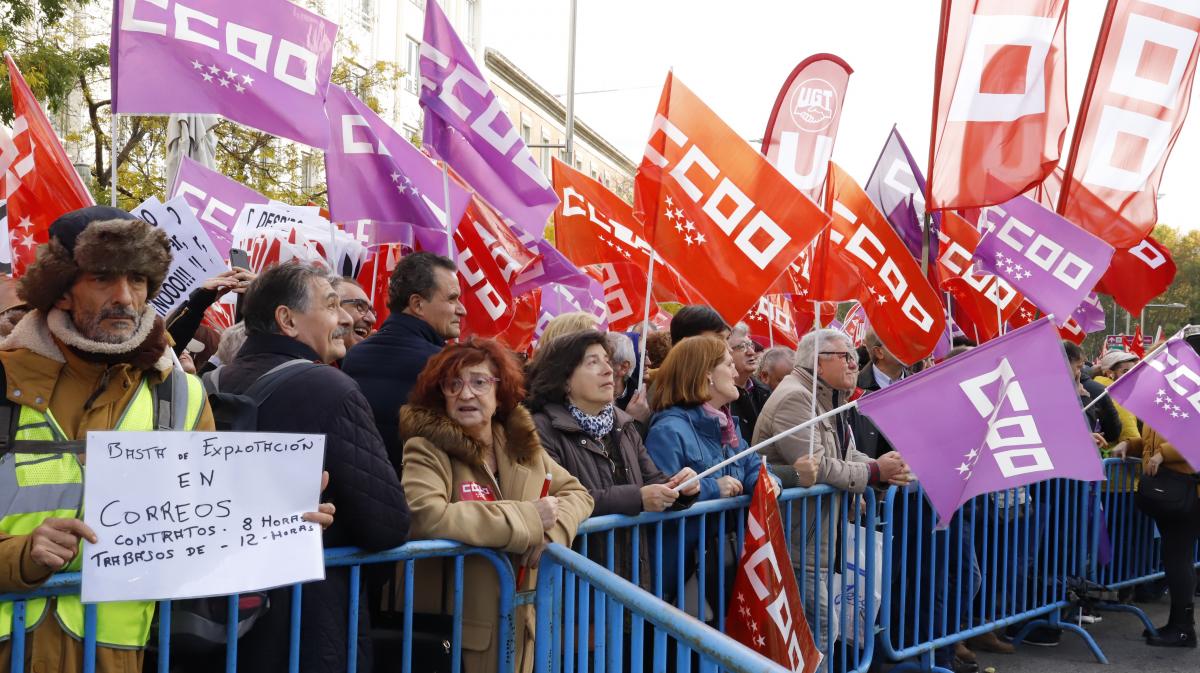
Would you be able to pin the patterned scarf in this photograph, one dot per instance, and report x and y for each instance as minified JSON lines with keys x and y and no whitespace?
{"x":725,"y":419}
{"x":597,"y":426}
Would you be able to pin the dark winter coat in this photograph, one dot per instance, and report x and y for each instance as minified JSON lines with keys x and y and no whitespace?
{"x":386,"y":365}
{"x":750,"y":401}
{"x":371,"y":509}
{"x":867,"y":437}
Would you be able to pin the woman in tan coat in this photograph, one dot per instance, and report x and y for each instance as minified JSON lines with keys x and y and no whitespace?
{"x":473,"y":472}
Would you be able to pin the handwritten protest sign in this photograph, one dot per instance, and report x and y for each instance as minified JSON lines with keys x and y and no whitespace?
{"x":188,"y":514}
{"x":194,"y":256}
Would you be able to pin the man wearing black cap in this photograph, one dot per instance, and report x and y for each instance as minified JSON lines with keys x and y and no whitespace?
{"x":90,"y":355}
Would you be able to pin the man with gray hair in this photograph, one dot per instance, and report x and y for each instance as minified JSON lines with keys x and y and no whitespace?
{"x":752,"y":395}
{"x":774,"y":364}
{"x":824,"y":453}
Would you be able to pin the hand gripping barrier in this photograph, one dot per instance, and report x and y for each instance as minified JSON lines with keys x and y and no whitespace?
{"x":564,"y":583}
{"x":1006,"y":558}
{"x":689,"y":558}
{"x":1125,"y":546}
{"x":68,"y":583}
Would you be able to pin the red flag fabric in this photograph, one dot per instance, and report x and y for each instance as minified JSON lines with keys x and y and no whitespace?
{"x":904,"y":309}
{"x":1072,"y":331}
{"x":39,"y":180}
{"x":376,"y":272}
{"x":981,"y":302}
{"x":819,"y":274}
{"x":715,"y":209}
{"x":1026,"y":313}
{"x":773,"y":321}
{"x":1000,"y":100}
{"x":855,"y":325}
{"x":1138,"y":344}
{"x":1139,"y":274}
{"x":766,"y":614}
{"x":594,"y":226}
{"x":489,"y":258}
{"x":805,"y":318}
{"x":804,"y":122}
{"x":1133,"y":108}
{"x":518,"y":336}
{"x":624,"y":288}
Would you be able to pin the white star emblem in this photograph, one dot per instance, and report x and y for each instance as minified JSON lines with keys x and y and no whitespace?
{"x":214,"y":69}
{"x":207,"y":77}
{"x":741,"y":598}
{"x":240,"y":88}
{"x":395,"y":177}
{"x":26,"y":223}
{"x":626,"y":253}
{"x":687,"y":239}
{"x":1018,"y":267}
{"x":670,"y":203}
{"x":1026,"y":274}
{"x":225,"y":83}
{"x":754,"y":626}
{"x":700,"y":238}
{"x":670,"y":214}
{"x":1174,"y":414}
{"x":247,"y":80}
{"x":1183,"y":414}
{"x":690,"y":226}
{"x":231,"y":73}
{"x":880,"y":299}
{"x":679,"y":227}
{"x":678,"y":214}
{"x":400,"y":189}
{"x":971,"y":455}
{"x":196,"y":65}
{"x":1161,"y":392}
{"x":999,"y":256}
{"x":964,"y":468}
{"x":1175,"y":407}
{"x":760,"y":641}
{"x":744,"y":610}
{"x":28,"y":242}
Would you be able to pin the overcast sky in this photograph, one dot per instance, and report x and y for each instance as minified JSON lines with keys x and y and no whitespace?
{"x":735,"y":56}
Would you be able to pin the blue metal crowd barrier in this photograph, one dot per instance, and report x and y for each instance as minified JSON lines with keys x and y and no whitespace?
{"x":567,"y":580}
{"x":1005,"y":558}
{"x":697,"y":577}
{"x":1126,"y":548}
{"x":355,"y":559}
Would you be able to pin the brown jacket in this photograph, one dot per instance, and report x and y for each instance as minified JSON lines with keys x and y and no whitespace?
{"x":439,"y":459}
{"x":1151,"y":443}
{"x":44,"y":374}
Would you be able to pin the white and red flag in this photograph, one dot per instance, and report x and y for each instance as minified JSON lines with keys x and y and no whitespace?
{"x":1000,"y":100}
{"x":39,"y":181}
{"x":766,"y":614}
{"x":804,"y":122}
{"x":715,"y":209}
{"x":1133,"y":108}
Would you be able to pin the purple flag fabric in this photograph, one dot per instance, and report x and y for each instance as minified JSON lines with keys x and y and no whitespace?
{"x":375,"y":174}
{"x":1090,"y":314}
{"x":1164,"y":392}
{"x":1044,"y":256}
{"x":1007,"y":416}
{"x":560,"y":298}
{"x":897,"y":188}
{"x":373,"y":234}
{"x":465,"y":127}
{"x":264,"y":64}
{"x":216,"y":200}
{"x":552,"y":267}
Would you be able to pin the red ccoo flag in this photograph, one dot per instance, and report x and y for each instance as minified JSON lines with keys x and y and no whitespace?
{"x":38,"y":179}
{"x":1000,"y":100}
{"x":1138,"y":274}
{"x":714,"y":208}
{"x":766,"y":614}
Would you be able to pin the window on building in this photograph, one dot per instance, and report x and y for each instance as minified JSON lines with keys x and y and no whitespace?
{"x":526,"y":131}
{"x":366,"y":13}
{"x":310,"y":170}
{"x":412,"y":66}
{"x":579,"y":165}
{"x":472,"y":23}
{"x":544,"y":153}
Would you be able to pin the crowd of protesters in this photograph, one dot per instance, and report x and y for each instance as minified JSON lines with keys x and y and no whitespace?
{"x":430,"y":435}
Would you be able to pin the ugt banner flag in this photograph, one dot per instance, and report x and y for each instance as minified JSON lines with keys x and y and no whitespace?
{"x":264,"y":64}
{"x":465,"y":127}
{"x":766,"y":614}
{"x":1046,"y":258}
{"x":1008,"y":416}
{"x":715,"y":209}
{"x":1164,"y":392}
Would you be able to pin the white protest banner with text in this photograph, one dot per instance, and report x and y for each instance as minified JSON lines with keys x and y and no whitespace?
{"x":188,"y":514}
{"x":194,"y":256}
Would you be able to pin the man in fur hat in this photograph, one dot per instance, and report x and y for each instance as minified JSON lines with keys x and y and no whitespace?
{"x":90,"y":355}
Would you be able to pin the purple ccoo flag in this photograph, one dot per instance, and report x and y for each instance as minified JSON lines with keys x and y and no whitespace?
{"x":216,"y":200}
{"x":1007,"y":416}
{"x":375,"y":174}
{"x":465,"y":127}
{"x":551,"y":267}
{"x":897,"y":188}
{"x":560,"y":298}
{"x":1044,"y":256}
{"x":1090,"y":314}
{"x":264,"y":64}
{"x":1164,"y":391}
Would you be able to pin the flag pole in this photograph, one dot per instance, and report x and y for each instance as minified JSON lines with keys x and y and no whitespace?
{"x":812,"y":437}
{"x":646,"y":322}
{"x":446,"y":210}
{"x":1139,"y":364}
{"x":112,"y":155}
{"x":770,"y":332}
{"x":767,"y":442}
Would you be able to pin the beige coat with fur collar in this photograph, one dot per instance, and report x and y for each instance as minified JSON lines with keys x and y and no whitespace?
{"x":438,"y":460}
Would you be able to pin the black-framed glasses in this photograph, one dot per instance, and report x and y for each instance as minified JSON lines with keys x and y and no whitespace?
{"x":480,"y":384}
{"x":846,"y":355}
{"x":360,"y":305}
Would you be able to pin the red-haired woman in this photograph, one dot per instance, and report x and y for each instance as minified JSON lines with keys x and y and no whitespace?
{"x":473,"y":472}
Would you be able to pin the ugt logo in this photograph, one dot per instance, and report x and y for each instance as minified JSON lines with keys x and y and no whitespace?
{"x":813,"y":105}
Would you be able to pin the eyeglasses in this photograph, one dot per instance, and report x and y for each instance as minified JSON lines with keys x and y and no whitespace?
{"x":847,"y":356}
{"x":360,"y":305}
{"x":480,"y":385}
{"x":740,"y":347}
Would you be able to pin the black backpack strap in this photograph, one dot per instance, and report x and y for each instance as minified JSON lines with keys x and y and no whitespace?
{"x":9,"y":416}
{"x":268,"y":383}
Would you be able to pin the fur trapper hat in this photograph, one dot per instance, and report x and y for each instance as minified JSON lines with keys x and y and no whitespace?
{"x":97,"y":239}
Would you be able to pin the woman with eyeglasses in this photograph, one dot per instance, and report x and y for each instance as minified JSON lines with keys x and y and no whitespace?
{"x":474,"y":472}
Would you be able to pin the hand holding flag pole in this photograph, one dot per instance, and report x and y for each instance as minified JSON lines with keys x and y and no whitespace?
{"x":766,"y":442}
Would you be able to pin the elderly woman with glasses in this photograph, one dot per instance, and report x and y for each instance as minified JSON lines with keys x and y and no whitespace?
{"x":474,"y":471}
